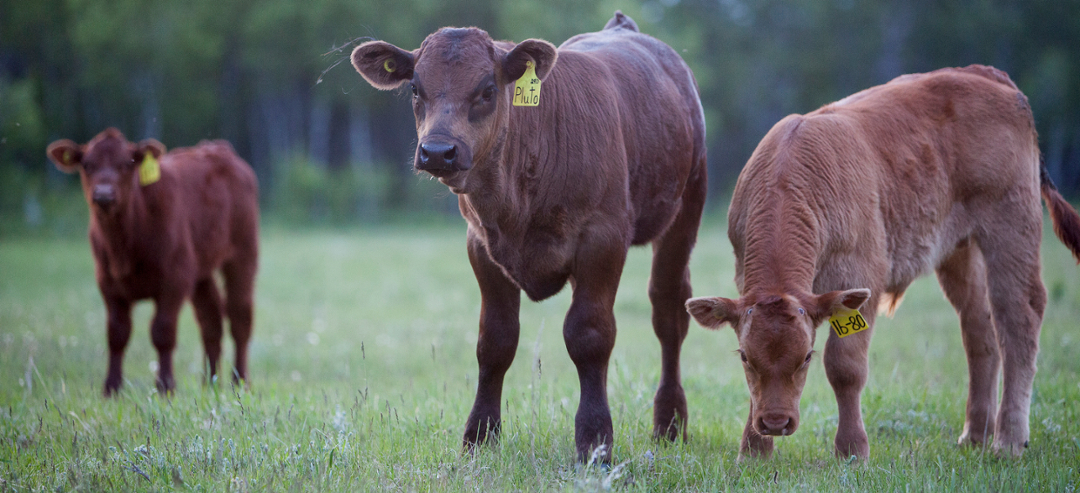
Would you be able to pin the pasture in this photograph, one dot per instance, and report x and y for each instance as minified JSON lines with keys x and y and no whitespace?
{"x":363,"y":371}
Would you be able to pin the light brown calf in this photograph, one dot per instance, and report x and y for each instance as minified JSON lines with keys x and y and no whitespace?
{"x":844,"y":207}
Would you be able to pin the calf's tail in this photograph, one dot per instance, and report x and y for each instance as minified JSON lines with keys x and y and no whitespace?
{"x":621,"y":20}
{"x":1065,"y":218}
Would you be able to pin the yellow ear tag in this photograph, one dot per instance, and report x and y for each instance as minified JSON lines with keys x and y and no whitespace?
{"x":846,"y":322}
{"x":527,"y":88}
{"x":67,"y":157}
{"x":149,"y":170}
{"x":389,"y":65}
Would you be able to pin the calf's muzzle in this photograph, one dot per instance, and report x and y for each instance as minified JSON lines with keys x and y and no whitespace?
{"x":103,"y":195}
{"x":779,"y":424}
{"x":439,"y":156}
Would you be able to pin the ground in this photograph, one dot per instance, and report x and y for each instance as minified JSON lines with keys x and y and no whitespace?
{"x":363,"y":371}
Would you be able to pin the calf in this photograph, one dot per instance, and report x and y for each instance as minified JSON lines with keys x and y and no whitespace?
{"x":844,"y":207}
{"x":160,"y":226}
{"x":556,"y":182}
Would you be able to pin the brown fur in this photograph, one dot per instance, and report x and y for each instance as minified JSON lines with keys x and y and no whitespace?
{"x":614,"y":155}
{"x":164,"y":241}
{"x":850,"y":203}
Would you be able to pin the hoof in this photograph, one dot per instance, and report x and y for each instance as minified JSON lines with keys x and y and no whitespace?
{"x":1013,"y":450}
{"x":110,"y":389}
{"x":477,"y":435}
{"x":969,"y":440}
{"x":166,"y":385}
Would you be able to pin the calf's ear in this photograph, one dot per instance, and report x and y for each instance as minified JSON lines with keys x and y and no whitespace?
{"x":383,"y":65}
{"x":713,"y":312}
{"x":148,"y":146}
{"x":540,"y":52}
{"x":65,"y":154}
{"x":834,"y":301}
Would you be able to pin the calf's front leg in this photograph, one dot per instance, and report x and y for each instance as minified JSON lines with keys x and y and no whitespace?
{"x":754,"y":444}
{"x":846,"y":366}
{"x":119,"y":332}
{"x":500,"y":302}
{"x":669,"y":288}
{"x":589,"y":334}
{"x":207,"y":304}
{"x":163,"y":336}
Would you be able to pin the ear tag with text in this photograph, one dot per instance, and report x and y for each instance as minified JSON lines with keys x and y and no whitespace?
{"x":527,"y":88}
{"x":149,"y":170}
{"x":846,"y":322}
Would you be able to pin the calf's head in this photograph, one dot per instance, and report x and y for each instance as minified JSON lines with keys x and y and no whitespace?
{"x":108,"y":166}
{"x":462,"y":86}
{"x":776,"y":342}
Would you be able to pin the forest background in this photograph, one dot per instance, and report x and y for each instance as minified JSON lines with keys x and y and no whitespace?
{"x":273,"y":78}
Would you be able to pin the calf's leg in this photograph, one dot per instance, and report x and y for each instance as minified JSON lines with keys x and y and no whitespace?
{"x":500,"y":302}
{"x":119,"y":332}
{"x":1017,"y":299}
{"x":754,"y":444}
{"x":239,"y":275}
{"x":669,"y":288}
{"x":846,"y":366}
{"x":589,"y":334}
{"x":163,"y":336}
{"x":963,"y":279}
{"x":207,"y":303}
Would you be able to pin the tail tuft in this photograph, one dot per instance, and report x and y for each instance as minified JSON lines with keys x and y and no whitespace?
{"x":1066,"y":220}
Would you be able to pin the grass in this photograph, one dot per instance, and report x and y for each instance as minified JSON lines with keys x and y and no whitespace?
{"x":363,"y":371}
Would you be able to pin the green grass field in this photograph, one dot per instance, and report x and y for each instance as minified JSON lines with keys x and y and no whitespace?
{"x":363,"y":371}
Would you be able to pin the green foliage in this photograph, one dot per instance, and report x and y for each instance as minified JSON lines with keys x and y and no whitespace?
{"x":21,"y":123}
{"x":28,"y":208}
{"x":306,"y":192}
{"x":363,"y":370}
{"x":274,"y":77}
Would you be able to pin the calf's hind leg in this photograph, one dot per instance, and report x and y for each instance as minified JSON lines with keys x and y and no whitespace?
{"x":239,"y":275}
{"x":669,"y":288}
{"x":963,"y":279}
{"x":1017,"y":299}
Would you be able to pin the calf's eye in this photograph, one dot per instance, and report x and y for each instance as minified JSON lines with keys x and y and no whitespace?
{"x":801,"y":311}
{"x":742,"y":355}
{"x":489,"y":93}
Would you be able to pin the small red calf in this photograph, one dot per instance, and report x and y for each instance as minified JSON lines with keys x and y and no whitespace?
{"x":844,"y":207}
{"x":160,"y":226}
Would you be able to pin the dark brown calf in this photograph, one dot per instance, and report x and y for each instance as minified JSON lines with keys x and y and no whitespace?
{"x":844,"y":207}
{"x":162,"y":235}
{"x":612,"y":156}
